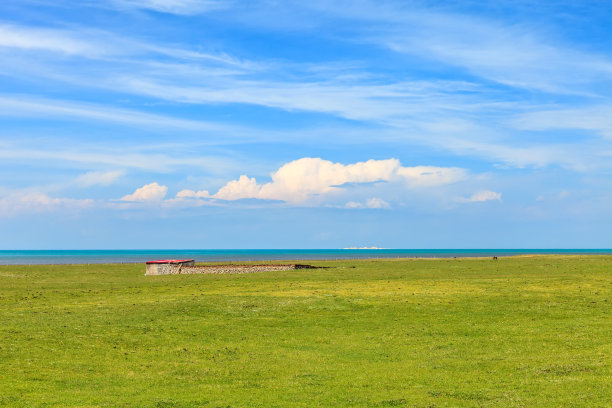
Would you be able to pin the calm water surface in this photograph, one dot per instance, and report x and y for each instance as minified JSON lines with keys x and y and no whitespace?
{"x":25,"y":257}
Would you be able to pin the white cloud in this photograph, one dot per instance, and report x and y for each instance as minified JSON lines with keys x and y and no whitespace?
{"x":149,"y":192}
{"x":302,"y":179}
{"x":482,"y":196}
{"x":93,"y":178}
{"x":244,"y":187}
{"x":376,"y":203}
{"x":353,"y":204}
{"x":37,"y":202}
{"x":373,"y":202}
{"x":47,"y":40}
{"x":186,"y":194}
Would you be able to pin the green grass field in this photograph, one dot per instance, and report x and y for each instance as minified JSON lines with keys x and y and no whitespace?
{"x":519,"y":332}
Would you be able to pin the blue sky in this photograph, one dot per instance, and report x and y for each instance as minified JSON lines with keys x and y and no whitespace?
{"x":289,"y":124}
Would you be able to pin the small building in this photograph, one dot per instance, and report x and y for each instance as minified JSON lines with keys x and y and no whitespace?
{"x":167,"y":266}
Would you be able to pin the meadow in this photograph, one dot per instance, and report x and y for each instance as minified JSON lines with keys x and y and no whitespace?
{"x":517,"y":332}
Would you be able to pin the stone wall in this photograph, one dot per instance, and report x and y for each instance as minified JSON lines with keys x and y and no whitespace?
{"x":236,"y":268}
{"x":174,"y":269}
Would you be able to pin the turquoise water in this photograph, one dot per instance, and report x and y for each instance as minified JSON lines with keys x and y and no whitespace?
{"x":38,"y":257}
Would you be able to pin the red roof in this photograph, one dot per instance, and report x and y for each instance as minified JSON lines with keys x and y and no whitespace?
{"x":169,"y":261}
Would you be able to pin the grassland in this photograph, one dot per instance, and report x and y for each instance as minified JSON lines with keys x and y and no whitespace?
{"x":519,"y":332}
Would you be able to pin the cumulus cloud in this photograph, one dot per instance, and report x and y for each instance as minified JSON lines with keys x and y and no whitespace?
{"x":37,"y":202}
{"x":244,"y":187}
{"x":482,"y":196}
{"x":300,"y":180}
{"x":370,"y":203}
{"x":148,"y":192}
{"x":94,"y":178}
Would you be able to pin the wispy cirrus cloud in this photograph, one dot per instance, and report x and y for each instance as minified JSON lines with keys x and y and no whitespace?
{"x":363,"y":101}
{"x":488,"y":49}
{"x":102,"y":45}
{"x":133,"y":157}
{"x":517,"y":54}
{"x":181,"y":7}
{"x":202,"y":79}
{"x":596,"y":118}
{"x":19,"y":105}
{"x":510,"y":55}
{"x":415,"y":107}
{"x":44,"y":39}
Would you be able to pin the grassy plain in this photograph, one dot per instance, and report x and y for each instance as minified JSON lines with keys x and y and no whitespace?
{"x":519,"y":332}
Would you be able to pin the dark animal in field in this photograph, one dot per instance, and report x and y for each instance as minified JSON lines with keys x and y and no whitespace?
{"x":495,"y":258}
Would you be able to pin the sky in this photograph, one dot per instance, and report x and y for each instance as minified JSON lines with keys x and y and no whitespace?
{"x":129,"y":124}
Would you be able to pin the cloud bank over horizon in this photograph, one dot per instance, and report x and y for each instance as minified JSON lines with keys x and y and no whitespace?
{"x":300,"y":181}
{"x":309,"y":181}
